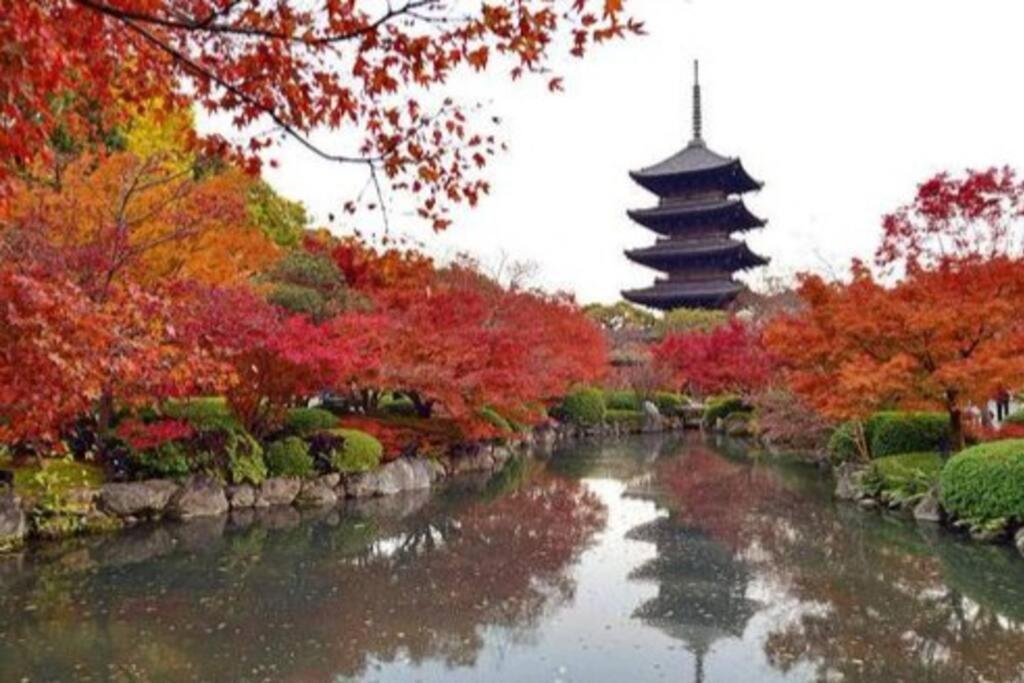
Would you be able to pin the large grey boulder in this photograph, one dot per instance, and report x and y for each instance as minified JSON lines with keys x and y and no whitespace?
{"x":278,"y":491}
{"x":137,"y":499}
{"x":12,"y":521}
{"x":482,"y":460}
{"x":199,"y":496}
{"x":241,"y":496}
{"x":928,"y":509}
{"x":317,"y":493}
{"x":1018,"y":540}
{"x":400,"y":475}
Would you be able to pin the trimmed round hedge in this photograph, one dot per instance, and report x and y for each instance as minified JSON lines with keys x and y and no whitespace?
{"x":669,"y":404}
{"x":622,"y":400}
{"x":892,"y":433}
{"x":360,"y":452}
{"x":305,"y":421}
{"x":202,"y":413}
{"x":985,"y":482}
{"x":583,"y":408}
{"x":721,"y":407}
{"x":289,"y":457}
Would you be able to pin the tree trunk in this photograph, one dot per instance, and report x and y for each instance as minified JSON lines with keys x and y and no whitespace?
{"x":957,"y":439}
{"x":105,"y":414}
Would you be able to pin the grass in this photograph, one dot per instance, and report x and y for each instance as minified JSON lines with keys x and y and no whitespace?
{"x":62,"y":475}
{"x":906,"y":474}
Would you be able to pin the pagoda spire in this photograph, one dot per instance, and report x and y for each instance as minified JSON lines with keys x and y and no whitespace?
{"x":698,"y":120}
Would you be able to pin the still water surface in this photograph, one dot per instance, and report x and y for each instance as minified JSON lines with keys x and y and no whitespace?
{"x":639,"y":560}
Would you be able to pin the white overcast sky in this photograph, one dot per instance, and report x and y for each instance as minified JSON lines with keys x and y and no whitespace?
{"x":841,"y":108}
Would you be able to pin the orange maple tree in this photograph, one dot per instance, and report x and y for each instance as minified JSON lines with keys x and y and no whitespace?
{"x":948,"y":333}
{"x":375,"y":72}
{"x":125,"y":218}
{"x":939,"y":338}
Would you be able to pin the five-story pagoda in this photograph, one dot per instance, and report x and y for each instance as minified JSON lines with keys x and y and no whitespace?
{"x":699,"y":209}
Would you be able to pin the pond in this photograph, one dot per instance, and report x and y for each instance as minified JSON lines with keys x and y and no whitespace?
{"x":653,"y":559}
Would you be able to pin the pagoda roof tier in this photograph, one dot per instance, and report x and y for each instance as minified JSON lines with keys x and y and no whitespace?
{"x":667,"y":255}
{"x":696,"y":167}
{"x":673,"y":217}
{"x":666,"y":295}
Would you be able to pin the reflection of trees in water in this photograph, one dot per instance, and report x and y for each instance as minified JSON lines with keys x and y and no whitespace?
{"x":308,"y":601}
{"x":879,"y":603}
{"x":877,"y":599}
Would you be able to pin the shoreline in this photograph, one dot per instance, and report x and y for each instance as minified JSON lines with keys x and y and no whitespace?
{"x":118,"y":506}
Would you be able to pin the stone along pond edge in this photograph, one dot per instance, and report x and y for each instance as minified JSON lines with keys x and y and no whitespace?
{"x":118,"y":505}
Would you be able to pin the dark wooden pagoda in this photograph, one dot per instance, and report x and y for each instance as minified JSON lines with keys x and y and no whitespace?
{"x":699,"y":210}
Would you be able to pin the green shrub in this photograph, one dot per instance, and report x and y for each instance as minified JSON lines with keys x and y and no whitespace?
{"x":401,"y":406}
{"x":985,"y":482}
{"x":289,"y":457}
{"x":628,"y":418}
{"x":245,"y":459}
{"x":682,"y":320}
{"x":669,"y":404}
{"x":305,"y":421}
{"x":204,"y":413}
{"x":583,"y":408}
{"x":842,"y":445}
{"x":622,"y":400}
{"x":720,"y":407}
{"x":360,"y":452}
{"x":298,"y":299}
{"x":904,"y":475}
{"x":891,"y":433}
{"x":169,"y":459}
{"x":495,"y":419}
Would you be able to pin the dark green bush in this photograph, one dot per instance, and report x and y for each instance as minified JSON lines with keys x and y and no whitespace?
{"x":720,"y":407}
{"x":985,"y":482}
{"x":305,"y":421}
{"x":289,"y":457}
{"x":298,"y":299}
{"x":401,"y":406}
{"x":495,"y":419}
{"x":169,"y":459}
{"x":583,"y":408}
{"x":205,"y":413}
{"x":669,"y":404}
{"x":360,"y":452}
{"x":891,"y":433}
{"x":622,"y":400}
{"x":633,"y":419}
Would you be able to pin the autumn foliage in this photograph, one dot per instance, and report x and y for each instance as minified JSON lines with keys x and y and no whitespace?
{"x":728,"y":358}
{"x":76,"y":70}
{"x":947,"y":333}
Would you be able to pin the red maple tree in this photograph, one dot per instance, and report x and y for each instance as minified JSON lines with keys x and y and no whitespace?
{"x":73,"y":69}
{"x":728,"y":358}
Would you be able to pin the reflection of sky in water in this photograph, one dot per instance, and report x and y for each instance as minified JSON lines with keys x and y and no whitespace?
{"x":669,"y":562}
{"x":598,"y":637}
